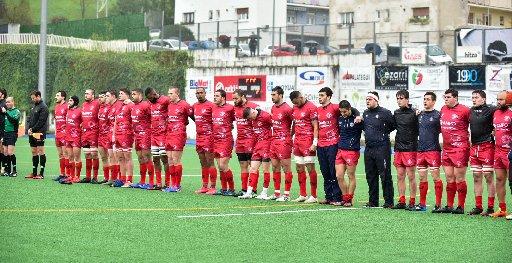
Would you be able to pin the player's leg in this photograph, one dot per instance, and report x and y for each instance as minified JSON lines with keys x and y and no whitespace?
{"x":341,"y":169}
{"x":156,"y":155}
{"x":93,"y":151}
{"x":88,"y":164}
{"x":286,"y":165}
{"x":276,"y":177}
{"x":244,"y":161}
{"x":300,"y":167}
{"x":401,"y":173}
{"x":323,"y":161}
{"x":62,"y":159}
{"x":212,"y":171}
{"x":168,"y":172}
{"x":11,"y":151}
{"x":77,"y":159}
{"x":127,"y":157}
{"x":411,"y":175}
{"x":205,"y":171}
{"x":476,"y":168}
{"x":106,"y":165}
{"x":501,"y":181}
{"x":253,"y":179}
{"x":266,"y":179}
{"x":313,"y":179}
{"x":460,"y":179}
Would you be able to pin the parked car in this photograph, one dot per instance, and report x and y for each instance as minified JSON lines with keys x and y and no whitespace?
{"x":284,"y":50}
{"x":243,"y":50}
{"x":203,"y":44}
{"x":167,"y":44}
{"x":154,"y":33}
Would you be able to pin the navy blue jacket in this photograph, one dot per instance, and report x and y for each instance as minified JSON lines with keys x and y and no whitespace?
{"x":378,"y":124}
{"x":429,"y":128}
{"x":350,"y":132}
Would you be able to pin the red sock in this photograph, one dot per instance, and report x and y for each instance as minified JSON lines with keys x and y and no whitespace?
{"x":423,"y":193}
{"x":172,"y":169}
{"x":345,"y":198}
{"x":62,"y":163}
{"x":223,"y":182}
{"x":113,"y":172}
{"x":253,"y":180}
{"x":151,"y":172}
{"x":266,"y":180}
{"x":213,"y":177}
{"x":70,"y":169}
{"x":478,"y":201}
{"x":95,"y":168}
{"x":130,"y":178}
{"x":143,"y":170}
{"x":178,"y":169}
{"x":503,"y":206}
{"x":158,"y":174}
{"x":230,"y":181}
{"x":313,"y":182}
{"x":288,"y":177}
{"x":302,"y":183}
{"x":412,"y":200}
{"x":88,"y":168}
{"x":277,"y":181}
{"x":438,"y":188}
{"x":462,"y":190}
{"x":401,"y":200}
{"x":78,"y":169}
{"x":451,"y":189}
{"x":106,"y":172}
{"x":168,"y":175}
{"x":490,"y":201}
{"x":204,"y":176}
{"x":245,"y":179}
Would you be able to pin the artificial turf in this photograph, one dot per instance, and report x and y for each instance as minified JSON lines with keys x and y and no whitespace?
{"x":44,"y":221}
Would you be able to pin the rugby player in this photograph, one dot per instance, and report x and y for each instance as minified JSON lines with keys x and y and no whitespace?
{"x":89,"y":139}
{"x":61,"y":109}
{"x":141,"y":124}
{"x":124,"y":139}
{"x":73,"y":136}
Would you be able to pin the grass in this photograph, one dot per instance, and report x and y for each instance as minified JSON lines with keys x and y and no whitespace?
{"x":43,"y":221}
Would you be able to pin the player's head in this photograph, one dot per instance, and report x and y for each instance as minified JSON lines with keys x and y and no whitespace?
{"x":478,"y":97}
{"x":451,"y":97}
{"x":250,"y":113}
{"x":9,"y":102}
{"x":345,"y":108}
{"x":219,"y":97}
{"x":502,"y":100}
{"x":324,"y":95}
{"x":102,"y":97}
{"x":429,"y":100}
{"x":60,"y":96}
{"x":239,"y":97}
{"x":137,"y":95}
{"x":111,"y":96}
{"x":35,"y":96}
{"x":151,"y":95}
{"x":89,"y":95}
{"x":3,"y":93}
{"x":402,"y":98}
{"x":174,"y":94}
{"x":372,"y":99}
{"x":277,"y":95}
{"x":124,"y":94}
{"x":297,"y":98}
{"x":201,"y":94}
{"x":73,"y":101}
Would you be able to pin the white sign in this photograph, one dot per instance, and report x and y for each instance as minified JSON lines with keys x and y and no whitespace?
{"x":311,"y":79}
{"x":498,"y":77}
{"x":193,"y":83}
{"x":286,"y":82}
{"x":413,"y":55}
{"x":356,"y":78}
{"x":469,"y":54}
{"x":428,"y":78}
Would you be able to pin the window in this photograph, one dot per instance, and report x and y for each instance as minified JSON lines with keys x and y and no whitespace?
{"x":218,"y":14}
{"x":486,"y":19}
{"x":382,"y":15}
{"x":188,"y":18}
{"x":471,"y":18}
{"x":421,"y":12}
{"x":210,"y":15}
{"x":346,"y":18}
{"x":292,"y":17}
{"x":502,"y":20}
{"x":242,"y":13}
{"x":311,"y":18}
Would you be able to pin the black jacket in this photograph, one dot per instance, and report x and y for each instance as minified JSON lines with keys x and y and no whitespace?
{"x":2,"y":115}
{"x":480,"y":123}
{"x":38,"y":118}
{"x":406,"y":139}
{"x":378,"y":123}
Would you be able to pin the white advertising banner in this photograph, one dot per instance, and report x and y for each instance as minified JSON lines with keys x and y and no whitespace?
{"x":193,"y":83}
{"x":356,"y":78}
{"x":428,"y":78}
{"x":498,"y":77}
{"x":413,"y":55}
{"x":311,"y":79}
{"x":286,"y":82}
{"x":469,"y":54}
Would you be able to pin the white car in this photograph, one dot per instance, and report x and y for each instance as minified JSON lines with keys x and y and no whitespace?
{"x":167,"y":44}
{"x":154,"y":33}
{"x":243,"y":50}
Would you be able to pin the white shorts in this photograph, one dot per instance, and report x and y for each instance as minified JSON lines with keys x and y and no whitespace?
{"x":304,"y":159}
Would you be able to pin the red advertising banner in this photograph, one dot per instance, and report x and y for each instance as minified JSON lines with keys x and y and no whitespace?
{"x":255,"y":86}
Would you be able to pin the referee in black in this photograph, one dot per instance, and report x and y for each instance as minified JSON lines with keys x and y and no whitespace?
{"x":3,"y":96}
{"x":378,"y":123}
{"x":37,"y":124}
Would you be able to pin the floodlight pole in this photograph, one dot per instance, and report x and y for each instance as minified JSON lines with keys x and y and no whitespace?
{"x":42,"y":50}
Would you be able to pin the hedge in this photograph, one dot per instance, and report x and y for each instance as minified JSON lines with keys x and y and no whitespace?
{"x":76,"y":70}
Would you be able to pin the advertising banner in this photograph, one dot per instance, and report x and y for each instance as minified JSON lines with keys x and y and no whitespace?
{"x":499,"y":77}
{"x":356,"y":78}
{"x":469,"y":77}
{"x":469,"y":54}
{"x":311,"y":79}
{"x":254,"y":85}
{"x":391,"y":77}
{"x":413,"y":55}
{"x":428,"y":78}
{"x":193,"y":83}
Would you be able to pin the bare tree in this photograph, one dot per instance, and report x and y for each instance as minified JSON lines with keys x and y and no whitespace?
{"x":83,"y":7}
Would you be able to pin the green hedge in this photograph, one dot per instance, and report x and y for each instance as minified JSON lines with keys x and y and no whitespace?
{"x":75,"y":70}
{"x":129,"y":27}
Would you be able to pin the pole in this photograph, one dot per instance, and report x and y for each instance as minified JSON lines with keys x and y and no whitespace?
{"x":273,"y":21}
{"x":42,"y":50}
{"x":374,"y":58}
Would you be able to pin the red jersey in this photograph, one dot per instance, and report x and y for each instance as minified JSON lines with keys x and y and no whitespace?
{"x":73,"y":124}
{"x":105,"y":128}
{"x":262,"y":126}
{"x":222,"y":119}
{"x":502,"y":122}
{"x":177,"y":117}
{"x":159,"y":115}
{"x":141,"y":117}
{"x":124,"y":120}
{"x":281,"y":121}
{"x":243,"y":126}
{"x":60,"y":119}
{"x":90,"y":115}
{"x":328,"y":133}
{"x":112,"y":114}
{"x":203,"y":117}
{"x":454,"y":127}
{"x":302,"y":118}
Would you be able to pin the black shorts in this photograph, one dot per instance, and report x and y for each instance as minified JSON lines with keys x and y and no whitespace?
{"x":36,"y":143}
{"x":10,"y":138}
{"x":244,"y":157}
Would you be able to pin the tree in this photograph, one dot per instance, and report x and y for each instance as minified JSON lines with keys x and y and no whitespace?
{"x":138,"y":6}
{"x":83,"y":7}
{"x":173,"y":31}
{"x":19,"y":14}
{"x":125,"y":7}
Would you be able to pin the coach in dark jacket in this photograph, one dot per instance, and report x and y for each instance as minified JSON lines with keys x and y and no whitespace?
{"x":378,"y":123}
{"x":37,"y":124}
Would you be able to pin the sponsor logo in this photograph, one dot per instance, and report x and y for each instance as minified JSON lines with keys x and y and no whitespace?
{"x":313,"y":77}
{"x":417,"y":77}
{"x":199,"y":83}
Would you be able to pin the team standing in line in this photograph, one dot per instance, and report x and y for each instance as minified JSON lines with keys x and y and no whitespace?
{"x":113,"y":123}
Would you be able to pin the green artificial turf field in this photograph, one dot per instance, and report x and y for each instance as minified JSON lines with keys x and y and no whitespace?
{"x":47,"y":222}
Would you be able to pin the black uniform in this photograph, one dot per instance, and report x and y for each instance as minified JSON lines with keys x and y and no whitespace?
{"x":38,"y":122}
{"x":406,"y":139}
{"x":378,"y":123}
{"x":480,"y":123}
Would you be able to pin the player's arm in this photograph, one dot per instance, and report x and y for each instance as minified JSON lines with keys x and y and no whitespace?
{"x":315,"y":135}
